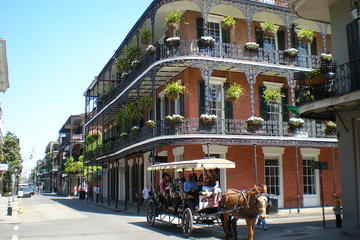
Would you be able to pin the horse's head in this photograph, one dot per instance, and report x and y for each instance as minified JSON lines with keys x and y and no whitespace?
{"x":261,"y":199}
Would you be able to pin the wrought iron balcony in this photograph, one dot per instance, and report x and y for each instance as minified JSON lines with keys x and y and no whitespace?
{"x":310,"y":129}
{"x":333,"y":81}
{"x":280,"y":3}
{"x":189,"y":48}
{"x":77,"y":138}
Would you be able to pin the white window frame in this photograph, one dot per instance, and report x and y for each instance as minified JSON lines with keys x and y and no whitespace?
{"x":276,"y":86}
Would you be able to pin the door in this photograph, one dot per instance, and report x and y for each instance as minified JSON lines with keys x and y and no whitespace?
{"x":273,"y":179}
{"x":311,"y":186}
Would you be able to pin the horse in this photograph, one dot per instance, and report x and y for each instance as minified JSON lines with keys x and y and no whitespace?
{"x":242,"y":204}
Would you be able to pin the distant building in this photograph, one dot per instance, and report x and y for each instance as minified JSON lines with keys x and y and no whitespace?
{"x":4,"y":81}
{"x":337,"y":95}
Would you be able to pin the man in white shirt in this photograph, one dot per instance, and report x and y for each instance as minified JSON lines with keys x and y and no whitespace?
{"x":146,"y":195}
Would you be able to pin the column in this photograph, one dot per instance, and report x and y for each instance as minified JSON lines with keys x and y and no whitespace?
{"x":292,"y":84}
{"x":323,"y":29}
{"x":248,"y":29}
{"x":251,"y":78}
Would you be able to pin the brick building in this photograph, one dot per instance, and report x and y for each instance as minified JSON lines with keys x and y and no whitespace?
{"x":272,"y":153}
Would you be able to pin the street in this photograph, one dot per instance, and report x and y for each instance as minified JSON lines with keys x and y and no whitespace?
{"x":57,"y":217}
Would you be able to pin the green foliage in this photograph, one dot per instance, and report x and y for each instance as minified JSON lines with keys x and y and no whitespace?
{"x":132,"y":53}
{"x":173,"y":17}
{"x":73,"y":167}
{"x":228,"y":22}
{"x":91,"y":138}
{"x":95,"y":140}
{"x":272,"y":95}
{"x":234,"y":91}
{"x":128,"y":116}
{"x":145,"y":35}
{"x":305,"y":35}
{"x":10,"y":152}
{"x":174,"y":89}
{"x":268,"y":27}
{"x":312,"y":74}
{"x":146,"y":102}
{"x":121,"y":64}
{"x":104,"y":96}
{"x":91,"y":173}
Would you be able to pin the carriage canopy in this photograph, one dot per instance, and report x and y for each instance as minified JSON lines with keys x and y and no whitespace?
{"x":199,"y":164}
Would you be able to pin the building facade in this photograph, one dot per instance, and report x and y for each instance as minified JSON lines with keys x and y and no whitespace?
{"x":273,"y":153}
{"x":337,"y":96}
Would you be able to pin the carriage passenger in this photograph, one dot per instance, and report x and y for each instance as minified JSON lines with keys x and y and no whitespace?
{"x":192,"y":189}
{"x":165,"y":184}
{"x":207,"y":192}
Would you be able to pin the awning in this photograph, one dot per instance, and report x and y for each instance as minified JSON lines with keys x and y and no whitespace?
{"x":200,"y":164}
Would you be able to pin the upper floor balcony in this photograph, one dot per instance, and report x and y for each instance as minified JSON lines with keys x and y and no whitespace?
{"x":329,"y":88}
{"x":192,"y":128}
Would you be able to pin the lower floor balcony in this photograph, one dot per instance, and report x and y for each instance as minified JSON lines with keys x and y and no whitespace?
{"x":221,"y":128}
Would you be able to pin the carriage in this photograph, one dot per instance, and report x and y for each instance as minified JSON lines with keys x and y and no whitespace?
{"x":181,"y":208}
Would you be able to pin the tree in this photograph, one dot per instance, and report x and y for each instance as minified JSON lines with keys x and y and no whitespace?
{"x":73,"y":167}
{"x":10,"y":154}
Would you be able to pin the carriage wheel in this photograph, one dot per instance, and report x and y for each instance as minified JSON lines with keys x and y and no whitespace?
{"x":150,"y":213}
{"x":187,"y":222}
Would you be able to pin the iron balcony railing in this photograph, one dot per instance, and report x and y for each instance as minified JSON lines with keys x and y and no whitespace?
{"x":332,"y":81}
{"x":280,"y":3}
{"x":219,"y":50}
{"x":309,"y":129}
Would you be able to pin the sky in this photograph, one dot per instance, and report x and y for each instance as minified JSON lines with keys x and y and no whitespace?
{"x":55,"y":48}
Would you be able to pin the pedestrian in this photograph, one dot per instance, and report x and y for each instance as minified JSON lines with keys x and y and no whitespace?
{"x":97,"y":192}
{"x":10,"y":206}
{"x":261,"y":220}
{"x":146,"y":195}
{"x":337,"y":211}
{"x":75,"y":191}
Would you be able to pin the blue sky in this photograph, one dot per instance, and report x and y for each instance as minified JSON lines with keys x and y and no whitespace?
{"x":54,"y":50}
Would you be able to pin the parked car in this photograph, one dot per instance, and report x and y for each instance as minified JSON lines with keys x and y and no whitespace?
{"x":24,"y":191}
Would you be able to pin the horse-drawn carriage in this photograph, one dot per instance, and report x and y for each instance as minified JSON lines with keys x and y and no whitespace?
{"x":183,"y":208}
{"x":191,"y":210}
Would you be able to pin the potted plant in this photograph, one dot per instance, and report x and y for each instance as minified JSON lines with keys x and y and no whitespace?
{"x":233,"y":92}
{"x":251,"y":46}
{"x":172,"y":19}
{"x":254,"y":123}
{"x":121,"y":64}
{"x":135,"y":64}
{"x":272,"y":95}
{"x":315,"y":77}
{"x":135,"y":130}
{"x":146,"y":103}
{"x":124,"y":135}
{"x":124,"y":75}
{"x":295,"y":123}
{"x":151,"y":124}
{"x":173,"y":42}
{"x":173,"y":90}
{"x":330,"y":128}
{"x":145,"y":36}
{"x":228,"y":23}
{"x":150,"y":50}
{"x":268,"y":28}
{"x":206,"y":41}
{"x":324,"y":57}
{"x":305,"y":35}
{"x":132,"y":53}
{"x":208,"y":119}
{"x":291,"y":52}
{"x":174,"y":119}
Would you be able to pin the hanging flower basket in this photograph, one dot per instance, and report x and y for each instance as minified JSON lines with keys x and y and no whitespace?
{"x":291,"y":52}
{"x":151,"y":124}
{"x":254,"y":123}
{"x":305,"y":35}
{"x":174,"y":119}
{"x":228,"y":23}
{"x":330,"y":128}
{"x":173,"y":42}
{"x":150,"y":50}
{"x":327,"y":58}
{"x":315,"y":77}
{"x":251,"y":46}
{"x":269,"y":29}
{"x":272,"y":95}
{"x":208,"y":119}
{"x":206,"y":41}
{"x":173,"y":90}
{"x":295,"y":123}
{"x":135,"y":130}
{"x":124,"y":135}
{"x":234,"y":92}
{"x":124,"y":75}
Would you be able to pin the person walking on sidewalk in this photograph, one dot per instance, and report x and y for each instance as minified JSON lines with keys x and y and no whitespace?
{"x":337,"y":211}
{"x":10,"y":206}
{"x":97,"y":192}
{"x":146,"y":195}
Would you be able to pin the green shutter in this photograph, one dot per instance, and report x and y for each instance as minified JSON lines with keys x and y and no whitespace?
{"x":263,"y":105}
{"x":181,"y":103}
{"x":297,"y":97}
{"x":314,"y":47}
{"x":259,"y":34}
{"x":200,"y":27}
{"x":281,"y":40}
{"x":158,"y":110}
{"x":285,"y":102}
{"x":201,"y":97}
{"x":228,"y":105}
{"x":225,"y":36}
{"x":172,"y":104}
{"x":167,"y":112}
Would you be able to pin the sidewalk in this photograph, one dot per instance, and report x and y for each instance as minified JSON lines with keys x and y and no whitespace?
{"x":4,"y":219}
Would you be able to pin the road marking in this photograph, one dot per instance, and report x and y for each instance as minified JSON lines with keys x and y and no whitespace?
{"x":14,"y":237}
{"x":16,"y":227}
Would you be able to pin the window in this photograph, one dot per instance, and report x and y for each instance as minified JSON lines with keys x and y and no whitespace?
{"x":216,"y":100}
{"x":272,"y":175}
{"x":309,"y":177}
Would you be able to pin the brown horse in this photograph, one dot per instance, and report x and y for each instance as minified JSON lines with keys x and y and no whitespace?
{"x":242,"y":204}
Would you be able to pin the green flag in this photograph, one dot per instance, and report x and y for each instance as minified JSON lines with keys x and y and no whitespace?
{"x":294,"y":110}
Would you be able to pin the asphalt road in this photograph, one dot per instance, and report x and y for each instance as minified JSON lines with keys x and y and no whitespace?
{"x":56,"y":217}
